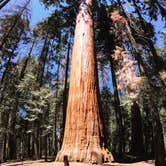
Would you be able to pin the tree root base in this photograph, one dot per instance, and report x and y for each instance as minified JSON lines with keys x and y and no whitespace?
{"x":93,"y":156}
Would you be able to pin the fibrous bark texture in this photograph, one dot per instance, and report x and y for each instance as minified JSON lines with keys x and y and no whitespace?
{"x":83,"y":137}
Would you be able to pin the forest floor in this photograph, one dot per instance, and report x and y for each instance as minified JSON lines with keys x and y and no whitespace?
{"x":42,"y":163}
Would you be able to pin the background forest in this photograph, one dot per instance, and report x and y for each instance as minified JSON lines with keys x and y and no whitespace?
{"x":35,"y":77}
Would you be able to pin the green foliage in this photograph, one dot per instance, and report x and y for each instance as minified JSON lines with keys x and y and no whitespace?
{"x":36,"y":103}
{"x":51,"y":2}
{"x":51,"y":26}
{"x":8,"y":91}
{"x":32,"y":97}
{"x":162,"y":50}
{"x":19,"y":32}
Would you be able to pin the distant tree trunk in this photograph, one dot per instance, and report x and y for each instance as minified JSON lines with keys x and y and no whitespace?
{"x":4,"y":116}
{"x":22,"y":73}
{"x":3,"y":3}
{"x":5,"y":148}
{"x":55,"y":141}
{"x":83,"y":138}
{"x":28,"y":143}
{"x":45,"y":149}
{"x":158,"y":137}
{"x":12,"y":135}
{"x":36,"y":149}
{"x":1,"y":138}
{"x":42,"y":60}
{"x":118,"y":111}
{"x":36,"y":141}
{"x":33,"y":147}
{"x":45,"y":139}
{"x":54,"y":135}
{"x":149,"y":147}
{"x":65,"y":91}
{"x":137,"y":146}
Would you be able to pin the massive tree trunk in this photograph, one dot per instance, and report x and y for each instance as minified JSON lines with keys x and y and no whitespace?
{"x":83,"y":137}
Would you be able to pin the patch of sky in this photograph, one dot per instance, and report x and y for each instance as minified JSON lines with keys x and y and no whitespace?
{"x":39,"y":12}
{"x":22,"y":112}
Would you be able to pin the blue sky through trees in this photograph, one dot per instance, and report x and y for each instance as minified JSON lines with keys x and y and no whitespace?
{"x":39,"y":12}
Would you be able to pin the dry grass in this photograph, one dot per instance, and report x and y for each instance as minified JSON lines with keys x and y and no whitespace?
{"x":42,"y":163}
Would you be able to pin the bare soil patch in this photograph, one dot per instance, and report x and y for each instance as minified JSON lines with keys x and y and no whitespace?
{"x":42,"y":163}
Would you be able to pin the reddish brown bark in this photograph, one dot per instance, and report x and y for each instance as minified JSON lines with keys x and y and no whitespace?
{"x":83,"y":137}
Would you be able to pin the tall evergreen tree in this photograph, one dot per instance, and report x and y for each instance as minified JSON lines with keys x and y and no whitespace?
{"x":84,"y":140}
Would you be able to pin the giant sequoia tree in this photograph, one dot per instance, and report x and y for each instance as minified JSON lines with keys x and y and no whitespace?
{"x":34,"y":67}
{"x":83,"y":137}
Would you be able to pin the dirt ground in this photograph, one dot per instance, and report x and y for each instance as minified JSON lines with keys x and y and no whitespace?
{"x":42,"y":163}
